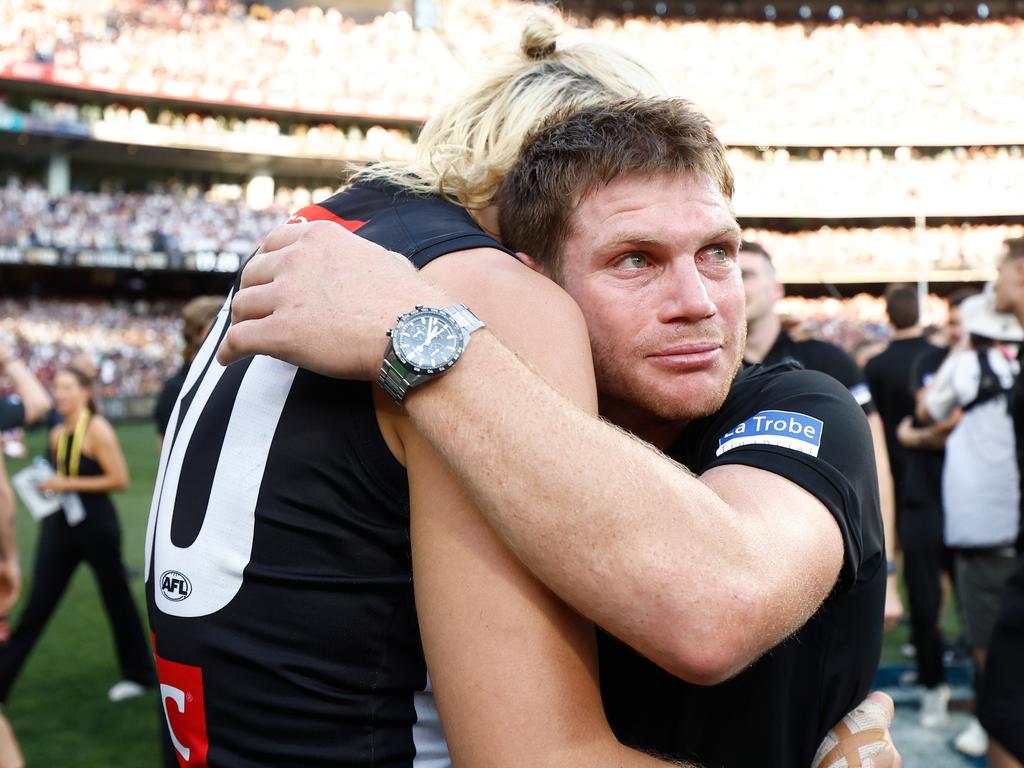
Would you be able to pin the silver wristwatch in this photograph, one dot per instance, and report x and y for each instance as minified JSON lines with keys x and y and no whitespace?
{"x":425,"y":343}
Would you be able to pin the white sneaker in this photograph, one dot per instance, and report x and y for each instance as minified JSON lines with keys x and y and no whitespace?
{"x":124,"y":690}
{"x":935,"y":706}
{"x":972,"y":740}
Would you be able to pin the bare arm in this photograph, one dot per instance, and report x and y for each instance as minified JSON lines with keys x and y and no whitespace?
{"x":10,"y":565}
{"x":33,"y":396}
{"x":623,"y":534}
{"x":930,"y":438}
{"x":506,"y":657}
{"x":887,"y":504}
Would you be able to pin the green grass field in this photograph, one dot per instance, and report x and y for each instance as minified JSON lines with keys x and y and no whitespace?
{"x":59,"y":707}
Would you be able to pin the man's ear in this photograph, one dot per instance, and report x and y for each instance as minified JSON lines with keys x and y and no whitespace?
{"x":525,"y":258}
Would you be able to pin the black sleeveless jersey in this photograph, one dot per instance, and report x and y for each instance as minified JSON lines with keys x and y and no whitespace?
{"x":278,"y":562}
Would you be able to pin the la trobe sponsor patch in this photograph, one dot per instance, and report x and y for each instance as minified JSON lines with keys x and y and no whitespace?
{"x":786,"y":429}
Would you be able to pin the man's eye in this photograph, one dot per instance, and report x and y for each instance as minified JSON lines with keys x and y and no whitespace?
{"x":634,"y":261}
{"x":717,"y":253}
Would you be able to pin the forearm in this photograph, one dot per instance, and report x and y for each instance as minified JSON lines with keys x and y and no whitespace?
{"x":94,"y":484}
{"x":31,"y":392}
{"x":886,"y":491}
{"x":8,"y":544}
{"x":627,"y":537}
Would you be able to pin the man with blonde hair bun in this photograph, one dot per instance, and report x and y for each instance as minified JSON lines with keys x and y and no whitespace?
{"x":700,"y":575}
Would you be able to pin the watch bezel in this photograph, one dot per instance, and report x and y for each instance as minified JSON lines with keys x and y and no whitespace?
{"x":445,"y":317}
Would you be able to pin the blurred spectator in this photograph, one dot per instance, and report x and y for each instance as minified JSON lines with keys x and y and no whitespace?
{"x":197,"y":316}
{"x":980,"y":483}
{"x":138,"y":344}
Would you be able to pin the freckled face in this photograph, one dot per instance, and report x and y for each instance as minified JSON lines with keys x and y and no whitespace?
{"x":652,"y":264}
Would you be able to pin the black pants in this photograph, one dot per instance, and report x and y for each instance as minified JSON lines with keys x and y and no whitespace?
{"x":97,"y":541}
{"x":920,"y":532}
{"x":1001,"y":704}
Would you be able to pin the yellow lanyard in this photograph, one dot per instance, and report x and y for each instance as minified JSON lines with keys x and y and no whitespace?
{"x":76,"y":445}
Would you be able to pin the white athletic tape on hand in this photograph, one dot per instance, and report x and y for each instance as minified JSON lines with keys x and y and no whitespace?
{"x":856,"y":741}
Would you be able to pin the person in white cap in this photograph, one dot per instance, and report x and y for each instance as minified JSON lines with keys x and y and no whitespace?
{"x":980,"y":480}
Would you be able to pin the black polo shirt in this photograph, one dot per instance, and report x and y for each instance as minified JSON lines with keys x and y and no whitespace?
{"x":12,"y":412}
{"x":804,"y":426}
{"x":816,"y":355}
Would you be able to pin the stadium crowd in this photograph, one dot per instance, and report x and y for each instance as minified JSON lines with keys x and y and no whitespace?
{"x":136,"y":347}
{"x":872,"y":182}
{"x":175,"y":219}
{"x":773,"y":181}
{"x":915,"y":81}
{"x":173,"y":222}
{"x":133,"y":124}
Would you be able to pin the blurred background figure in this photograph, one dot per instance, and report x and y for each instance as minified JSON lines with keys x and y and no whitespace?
{"x":88,"y":464}
{"x":1001,"y":705}
{"x":918,"y":510}
{"x":27,"y":405}
{"x":198,"y":316}
{"x":980,"y":482}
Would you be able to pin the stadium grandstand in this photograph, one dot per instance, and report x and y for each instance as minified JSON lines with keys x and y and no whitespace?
{"x":137,"y":164}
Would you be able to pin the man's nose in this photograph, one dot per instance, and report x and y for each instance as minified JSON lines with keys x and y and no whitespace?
{"x":686,"y":295}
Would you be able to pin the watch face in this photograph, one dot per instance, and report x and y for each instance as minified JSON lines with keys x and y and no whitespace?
{"x":428,"y":341}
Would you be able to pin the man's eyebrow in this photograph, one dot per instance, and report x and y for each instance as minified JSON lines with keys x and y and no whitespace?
{"x":732,"y":229}
{"x":638,"y":237}
{"x":632,"y":238}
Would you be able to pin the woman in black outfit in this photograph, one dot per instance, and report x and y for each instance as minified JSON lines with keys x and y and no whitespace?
{"x":89,"y":463}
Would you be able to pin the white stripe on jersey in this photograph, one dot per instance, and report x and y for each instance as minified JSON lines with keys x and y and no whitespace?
{"x":213,"y":564}
{"x":195,"y":369}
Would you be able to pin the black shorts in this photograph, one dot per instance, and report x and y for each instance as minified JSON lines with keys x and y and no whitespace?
{"x":1001,"y":706}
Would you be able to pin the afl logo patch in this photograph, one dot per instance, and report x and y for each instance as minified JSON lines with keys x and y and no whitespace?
{"x":175,"y":586}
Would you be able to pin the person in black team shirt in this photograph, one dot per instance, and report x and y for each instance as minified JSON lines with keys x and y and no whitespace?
{"x":769,"y":343}
{"x":925,"y":555}
{"x":918,"y":520}
{"x":1001,"y":708}
{"x":626,"y":207}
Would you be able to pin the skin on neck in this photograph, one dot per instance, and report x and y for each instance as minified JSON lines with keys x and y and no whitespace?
{"x":907,"y":333}
{"x":761,"y":335}
{"x":487,"y":220}
{"x":656,"y":431}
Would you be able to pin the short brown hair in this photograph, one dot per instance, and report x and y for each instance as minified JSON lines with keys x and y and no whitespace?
{"x":902,"y":306}
{"x":198,"y":314}
{"x":566,"y":161}
{"x":1014,"y":247}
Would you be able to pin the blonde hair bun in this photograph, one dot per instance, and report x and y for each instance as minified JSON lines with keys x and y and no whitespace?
{"x":539,"y":37}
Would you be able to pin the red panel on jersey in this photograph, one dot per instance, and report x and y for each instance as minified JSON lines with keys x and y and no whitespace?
{"x":319,"y":213}
{"x":181,"y":695}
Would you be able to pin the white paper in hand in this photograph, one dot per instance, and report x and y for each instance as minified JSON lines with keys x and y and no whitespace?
{"x":26,"y":484}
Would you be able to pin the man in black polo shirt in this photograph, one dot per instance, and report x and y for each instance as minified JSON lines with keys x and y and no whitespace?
{"x":769,"y":343}
{"x":619,"y":207}
{"x":1001,"y":709}
{"x":890,"y":376}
